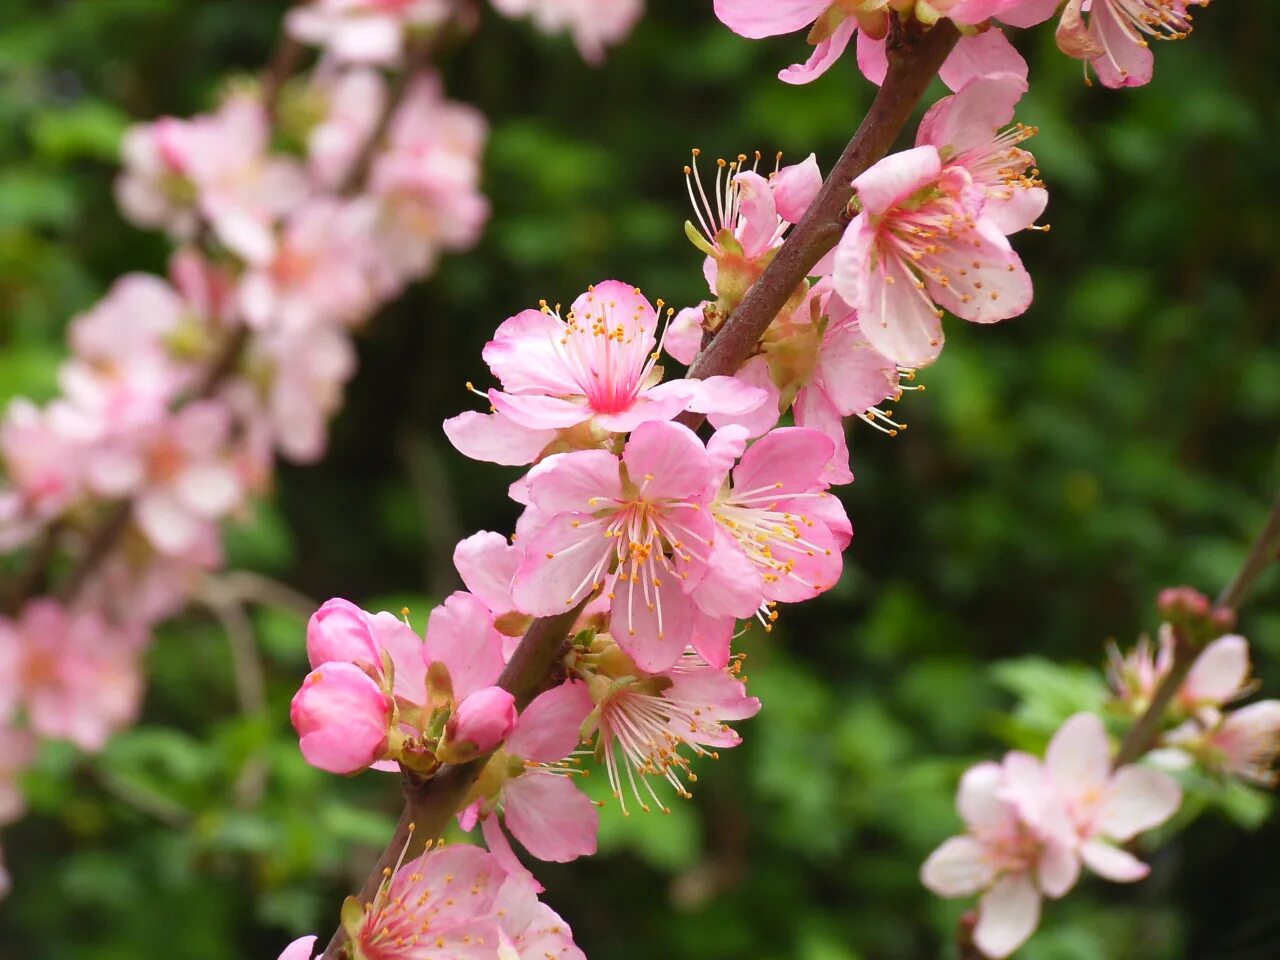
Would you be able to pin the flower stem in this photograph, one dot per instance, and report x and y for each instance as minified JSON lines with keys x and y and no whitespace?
{"x":1143,"y":734}
{"x":914,"y":59}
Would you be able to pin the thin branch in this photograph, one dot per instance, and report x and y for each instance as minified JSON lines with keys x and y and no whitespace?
{"x":914,"y":59}
{"x":1142,"y":736}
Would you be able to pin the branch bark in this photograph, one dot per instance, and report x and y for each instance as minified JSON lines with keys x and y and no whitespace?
{"x":915,"y":56}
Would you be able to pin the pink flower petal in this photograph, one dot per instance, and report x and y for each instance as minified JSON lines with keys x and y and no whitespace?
{"x":785,"y":461}
{"x":758,"y":214}
{"x":987,"y":52}
{"x":561,"y":565}
{"x":1007,"y":915}
{"x":768,"y":18}
{"x":1139,"y":798}
{"x":652,"y":623}
{"x":539,"y":412}
{"x":1058,"y":869}
{"x":825,"y":53}
{"x":755,"y":375}
{"x":495,"y":439}
{"x":1219,"y":673}
{"x":1126,"y":60}
{"x":549,"y":728}
{"x":1079,"y":755}
{"x":873,"y":58}
{"x":487,"y":564}
{"x":581,"y":482}
{"x":958,"y":868}
{"x":461,"y":635}
{"x":986,"y":279}
{"x":550,"y":816}
{"x":893,"y":179}
{"x":666,"y":460}
{"x":1112,"y":862}
{"x":795,"y":187}
{"x":815,"y":411}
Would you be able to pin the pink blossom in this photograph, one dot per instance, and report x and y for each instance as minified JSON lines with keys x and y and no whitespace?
{"x":343,"y":719}
{"x":487,"y":564}
{"x":779,"y":533}
{"x":352,"y":101}
{"x":530,"y":782}
{"x":1002,"y":857}
{"x":340,"y":632}
{"x":1247,"y":742}
{"x":461,"y":636}
{"x":1219,"y":675}
{"x":1114,"y":39}
{"x":321,"y":272}
{"x":79,"y":676}
{"x":427,"y":181}
{"x":179,"y":475}
{"x":482,"y":721}
{"x":966,"y":128}
{"x":306,"y":371}
{"x":530,"y":929}
{"x":213,"y":167}
{"x":920,"y":240}
{"x":440,"y":906}
{"x":364,"y":31}
{"x":595,"y":24}
{"x":642,"y":721}
{"x":574,"y":380}
{"x":43,"y":455}
{"x":640,"y":517}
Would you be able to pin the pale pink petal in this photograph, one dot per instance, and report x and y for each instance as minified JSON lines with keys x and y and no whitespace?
{"x":665,"y":460}
{"x":652,"y":624}
{"x":170,"y":527}
{"x":1139,"y":798}
{"x":1127,"y":59}
{"x":733,"y":586}
{"x":562,"y":564}
{"x":873,"y":58}
{"x":825,"y":53}
{"x":754,"y":374}
{"x":549,"y":728}
{"x":495,"y":439}
{"x":855,"y":376}
{"x":795,"y":187}
{"x":210,"y":490}
{"x":723,"y":450}
{"x":1018,"y":210}
{"x":958,"y":868}
{"x":404,"y":647}
{"x":537,"y":412}
{"x":1112,"y":862}
{"x":979,"y":802}
{"x":967,"y":119}
{"x":1058,"y":869}
{"x":893,"y":179}
{"x":712,"y":638}
{"x":524,"y":355}
{"x":1029,"y":13}
{"x":1219,"y":673}
{"x":727,"y":396}
{"x":580,"y":482}
{"x":550,"y":816}
{"x":815,"y":411}
{"x":1079,"y":755}
{"x":988,"y":52}
{"x":301,"y":949}
{"x":1007,"y":915}
{"x":784,"y":462}
{"x":487,"y":564}
{"x":986,"y":279}
{"x":683,"y":338}
{"x":758,"y":213}
{"x":496,"y":840}
{"x":768,"y":18}
{"x":461,"y":635}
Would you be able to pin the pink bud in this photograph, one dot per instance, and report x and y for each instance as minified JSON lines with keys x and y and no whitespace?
{"x":483,"y":719}
{"x":342,"y":719}
{"x":1177,"y":604}
{"x":339,"y":632}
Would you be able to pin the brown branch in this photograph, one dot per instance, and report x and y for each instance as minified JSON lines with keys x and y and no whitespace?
{"x":915,"y":56}
{"x":1142,"y":736}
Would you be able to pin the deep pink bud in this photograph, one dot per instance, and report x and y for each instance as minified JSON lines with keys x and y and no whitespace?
{"x":1179,"y":604}
{"x":481,"y":722}
{"x":339,"y":632}
{"x":342,"y":719}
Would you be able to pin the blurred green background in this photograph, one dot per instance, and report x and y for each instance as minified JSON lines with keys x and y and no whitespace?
{"x":1120,"y":436}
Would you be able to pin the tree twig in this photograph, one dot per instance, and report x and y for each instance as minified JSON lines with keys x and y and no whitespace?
{"x":1143,"y":735}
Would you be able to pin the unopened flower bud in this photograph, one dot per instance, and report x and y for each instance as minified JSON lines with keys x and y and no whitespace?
{"x":339,"y":632}
{"x":343,"y":719}
{"x":481,"y":722}
{"x":1179,"y":605}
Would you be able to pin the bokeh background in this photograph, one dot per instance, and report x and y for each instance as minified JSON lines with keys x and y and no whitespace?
{"x":1062,"y":466}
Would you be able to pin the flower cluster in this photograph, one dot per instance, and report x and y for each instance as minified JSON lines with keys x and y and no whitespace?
{"x":180,"y":390}
{"x":1112,"y":39}
{"x":1031,"y":824}
{"x":454,"y":901}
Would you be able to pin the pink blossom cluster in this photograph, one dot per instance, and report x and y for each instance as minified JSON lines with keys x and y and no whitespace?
{"x":180,"y":390}
{"x":380,"y":31}
{"x":452,"y":901}
{"x":1110,"y":36}
{"x":1032,"y":824}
